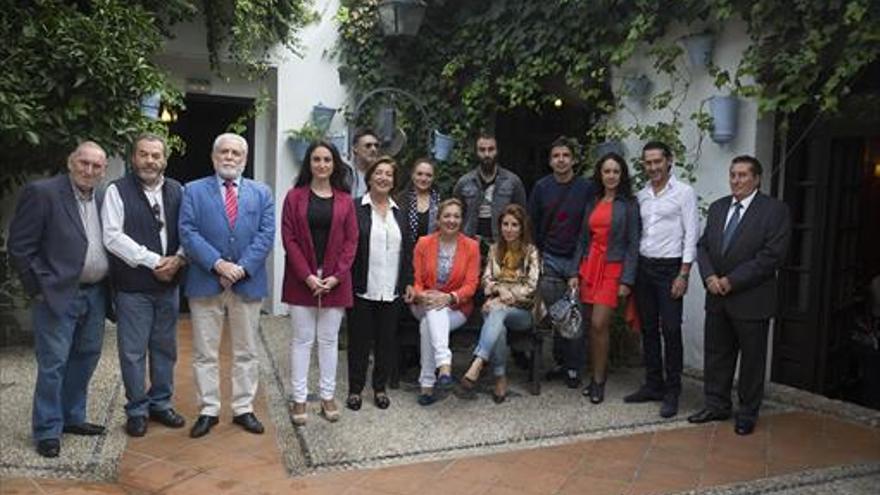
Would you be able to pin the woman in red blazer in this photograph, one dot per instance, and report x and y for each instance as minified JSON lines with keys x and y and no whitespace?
{"x":320,"y":234}
{"x":446,"y":267}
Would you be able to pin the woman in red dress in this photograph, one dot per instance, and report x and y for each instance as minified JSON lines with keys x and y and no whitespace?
{"x":609,"y":245}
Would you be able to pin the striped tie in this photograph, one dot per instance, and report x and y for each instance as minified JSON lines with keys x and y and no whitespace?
{"x":231,"y":202}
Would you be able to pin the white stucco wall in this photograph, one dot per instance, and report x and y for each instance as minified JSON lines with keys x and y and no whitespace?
{"x":754,"y":136}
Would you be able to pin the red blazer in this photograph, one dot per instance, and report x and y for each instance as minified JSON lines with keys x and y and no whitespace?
{"x":301,"y":260}
{"x":465,"y":276}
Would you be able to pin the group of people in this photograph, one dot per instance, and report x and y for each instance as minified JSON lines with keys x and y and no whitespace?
{"x":357,"y":248}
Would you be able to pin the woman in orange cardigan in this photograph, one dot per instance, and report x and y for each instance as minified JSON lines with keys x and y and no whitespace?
{"x":446,"y":268}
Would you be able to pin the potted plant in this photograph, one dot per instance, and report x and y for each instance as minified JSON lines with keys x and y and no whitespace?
{"x":301,"y":138}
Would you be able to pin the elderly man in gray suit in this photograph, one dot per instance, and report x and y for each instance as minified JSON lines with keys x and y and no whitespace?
{"x":55,"y":246}
{"x":744,"y":244}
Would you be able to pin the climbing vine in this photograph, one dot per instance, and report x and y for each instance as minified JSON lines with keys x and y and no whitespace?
{"x":472,"y":60}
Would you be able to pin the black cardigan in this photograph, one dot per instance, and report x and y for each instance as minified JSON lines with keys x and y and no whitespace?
{"x":361,"y":265}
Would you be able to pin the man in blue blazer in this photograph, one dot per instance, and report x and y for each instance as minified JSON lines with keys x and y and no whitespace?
{"x":227,"y":228}
{"x":55,"y":246}
{"x":744,"y":244}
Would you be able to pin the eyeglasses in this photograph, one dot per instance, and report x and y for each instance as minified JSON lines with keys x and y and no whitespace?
{"x":157,"y":214}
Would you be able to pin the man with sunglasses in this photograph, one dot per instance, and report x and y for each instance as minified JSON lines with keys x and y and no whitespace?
{"x":140,"y":231}
{"x":365,"y":152}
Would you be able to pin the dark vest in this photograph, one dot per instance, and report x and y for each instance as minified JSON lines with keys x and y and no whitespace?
{"x":141,"y":226}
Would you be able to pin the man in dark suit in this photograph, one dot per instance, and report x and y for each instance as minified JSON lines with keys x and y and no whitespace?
{"x":55,"y":246}
{"x":744,"y":244}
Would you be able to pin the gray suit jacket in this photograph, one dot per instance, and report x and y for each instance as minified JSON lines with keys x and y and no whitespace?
{"x":47,"y":241}
{"x":756,"y":252}
{"x":623,"y":241}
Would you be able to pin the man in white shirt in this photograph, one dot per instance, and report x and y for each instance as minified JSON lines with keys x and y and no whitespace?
{"x":140,"y":215}
{"x":670,"y":229}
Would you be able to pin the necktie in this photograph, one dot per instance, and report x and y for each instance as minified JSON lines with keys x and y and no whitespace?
{"x":731,"y":227}
{"x":231,"y":202}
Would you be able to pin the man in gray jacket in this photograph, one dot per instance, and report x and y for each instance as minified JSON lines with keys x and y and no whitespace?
{"x":486,"y":191}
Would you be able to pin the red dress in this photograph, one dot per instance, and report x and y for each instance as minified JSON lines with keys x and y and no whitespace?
{"x":599,"y":278}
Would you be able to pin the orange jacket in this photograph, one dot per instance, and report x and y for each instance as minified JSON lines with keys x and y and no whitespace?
{"x":465,"y":276}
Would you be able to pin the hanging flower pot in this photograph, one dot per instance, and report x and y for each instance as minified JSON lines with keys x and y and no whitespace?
{"x":443,"y":146}
{"x":724,"y":111}
{"x":299,"y":146}
{"x":606,"y":147}
{"x":150,"y":105}
{"x":699,"y":48}
{"x":322,"y":116}
{"x":340,"y":141}
{"x":637,"y":87}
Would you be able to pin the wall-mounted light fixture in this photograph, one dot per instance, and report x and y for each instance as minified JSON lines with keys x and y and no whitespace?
{"x":401,"y":17}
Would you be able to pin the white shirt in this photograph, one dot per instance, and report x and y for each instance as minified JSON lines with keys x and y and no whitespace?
{"x":385,"y":245}
{"x":670,"y":221}
{"x":120,"y":244}
{"x":745,"y":206}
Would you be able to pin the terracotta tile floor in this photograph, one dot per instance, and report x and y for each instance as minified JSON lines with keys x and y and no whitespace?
{"x":232,"y":461}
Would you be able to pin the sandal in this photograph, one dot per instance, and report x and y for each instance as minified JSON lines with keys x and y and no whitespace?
{"x":381,"y":400}
{"x":354,"y":402}
{"x":299,"y":414}
{"x":329,"y":410}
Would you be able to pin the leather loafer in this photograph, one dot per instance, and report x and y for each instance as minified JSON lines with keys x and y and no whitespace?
{"x":669,"y":408}
{"x":249,"y":422}
{"x":49,"y":447}
{"x":168,"y":417}
{"x":744,"y":426}
{"x":203,"y":425}
{"x":644,"y":394}
{"x":136,"y":426}
{"x":706,"y":415}
{"x":87,"y":429}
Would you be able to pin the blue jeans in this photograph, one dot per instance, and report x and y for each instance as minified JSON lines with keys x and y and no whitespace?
{"x":68,"y":347}
{"x":147,"y":326}
{"x":493,"y":335}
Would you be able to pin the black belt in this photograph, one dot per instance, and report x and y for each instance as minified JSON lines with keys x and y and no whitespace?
{"x":89,"y":286}
{"x":660,"y":261}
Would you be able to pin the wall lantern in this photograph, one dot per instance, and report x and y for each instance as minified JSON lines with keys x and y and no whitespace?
{"x":699,"y":48}
{"x":322,"y":116}
{"x":401,"y":17}
{"x":724,"y":111}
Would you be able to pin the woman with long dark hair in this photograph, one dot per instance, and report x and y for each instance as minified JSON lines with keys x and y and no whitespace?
{"x":419,"y":201}
{"x":320,"y":235}
{"x":609,"y":252}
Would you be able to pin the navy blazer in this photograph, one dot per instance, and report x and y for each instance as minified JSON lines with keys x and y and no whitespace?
{"x":47,"y":240}
{"x":756,"y":252}
{"x":623,"y":242}
{"x":207,"y":237}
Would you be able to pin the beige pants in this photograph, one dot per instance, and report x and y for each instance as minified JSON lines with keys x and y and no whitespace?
{"x":207,"y":320}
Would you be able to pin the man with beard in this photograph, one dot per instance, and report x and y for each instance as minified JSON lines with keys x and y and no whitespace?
{"x":486,"y":191}
{"x":140,"y":232}
{"x":227,"y":227}
{"x":365,"y":151}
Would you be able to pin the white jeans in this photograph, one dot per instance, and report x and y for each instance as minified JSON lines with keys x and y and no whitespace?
{"x":434,"y":328}
{"x":307,"y":323}
{"x":207,"y":314}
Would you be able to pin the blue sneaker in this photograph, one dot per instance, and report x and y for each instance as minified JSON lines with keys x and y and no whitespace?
{"x":445,"y":382}
{"x":426,"y":400}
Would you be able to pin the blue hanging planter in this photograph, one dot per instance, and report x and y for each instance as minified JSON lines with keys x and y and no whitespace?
{"x":443,"y":146}
{"x":299,"y":146}
{"x":699,"y":48}
{"x":150,"y":105}
{"x":724,"y":110}
{"x":322,"y":116}
{"x":606,"y":147}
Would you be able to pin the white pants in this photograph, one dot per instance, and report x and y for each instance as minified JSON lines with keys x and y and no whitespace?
{"x":434,"y":328}
{"x":207,"y":321}
{"x":307,"y":323}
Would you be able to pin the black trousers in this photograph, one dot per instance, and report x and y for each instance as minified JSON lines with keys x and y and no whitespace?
{"x":660,"y":317}
{"x":372,"y":326}
{"x":726,"y":338}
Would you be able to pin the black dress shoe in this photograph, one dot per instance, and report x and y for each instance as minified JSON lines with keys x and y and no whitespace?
{"x":136,"y":426}
{"x":168,"y":417}
{"x":706,"y":415}
{"x":249,"y":422}
{"x":644,"y":394}
{"x":573,"y":379}
{"x":556,"y":373}
{"x":87,"y":429}
{"x":744,"y":426}
{"x":203,"y":425}
{"x":49,"y":447}
{"x":669,"y":408}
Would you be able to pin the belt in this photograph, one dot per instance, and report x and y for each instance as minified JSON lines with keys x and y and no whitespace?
{"x":89,"y":286}
{"x":660,"y":261}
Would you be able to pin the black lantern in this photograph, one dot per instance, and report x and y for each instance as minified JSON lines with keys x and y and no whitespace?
{"x":401,"y":17}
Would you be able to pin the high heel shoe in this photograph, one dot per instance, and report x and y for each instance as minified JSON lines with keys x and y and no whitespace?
{"x":466,"y":381}
{"x":499,"y":395}
{"x":299,"y":414}
{"x":597,"y":392}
